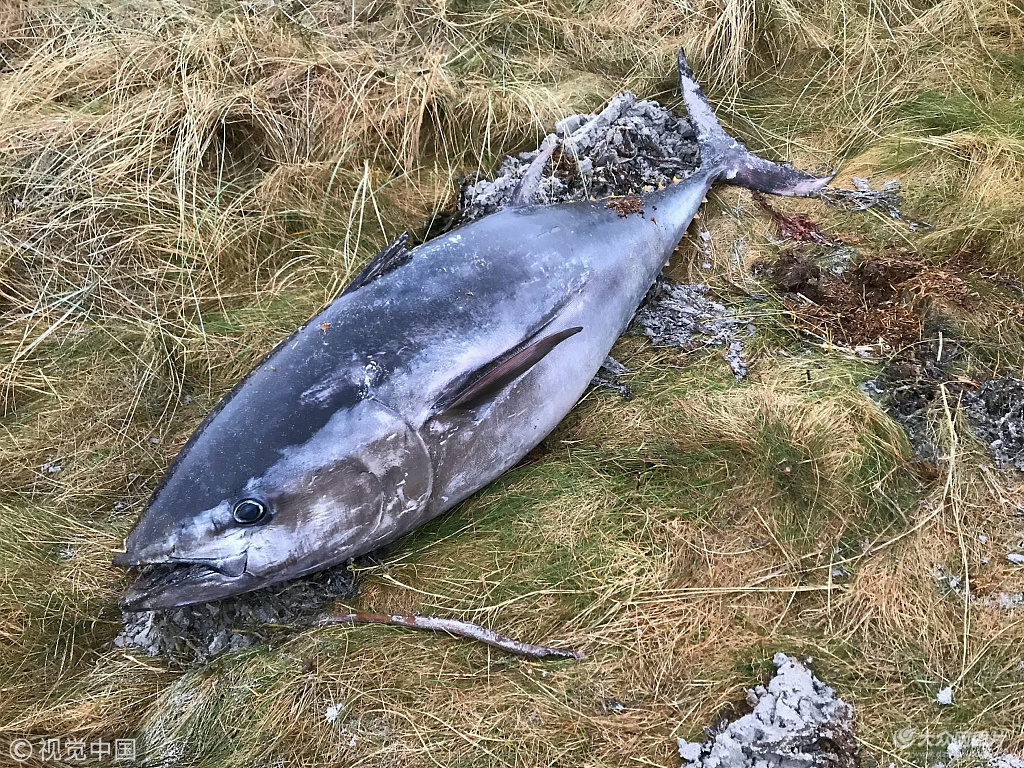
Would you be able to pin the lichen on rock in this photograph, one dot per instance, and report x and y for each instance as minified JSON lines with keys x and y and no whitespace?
{"x":626,"y":147}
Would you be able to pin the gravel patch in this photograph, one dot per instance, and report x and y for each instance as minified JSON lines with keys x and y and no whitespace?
{"x":197,"y":632}
{"x":996,"y":413}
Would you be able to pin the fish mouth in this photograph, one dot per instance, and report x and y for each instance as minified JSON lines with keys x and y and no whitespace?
{"x":176,"y":583}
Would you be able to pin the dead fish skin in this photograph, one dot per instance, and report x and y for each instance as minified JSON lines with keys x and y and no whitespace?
{"x":434,"y":373}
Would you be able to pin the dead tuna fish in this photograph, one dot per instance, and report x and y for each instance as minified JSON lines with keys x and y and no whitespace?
{"x":436,"y":370}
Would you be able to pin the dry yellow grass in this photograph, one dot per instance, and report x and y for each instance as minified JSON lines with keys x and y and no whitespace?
{"x":181,"y":183}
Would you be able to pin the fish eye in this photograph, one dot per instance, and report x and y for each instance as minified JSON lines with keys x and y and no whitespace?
{"x":249,"y":511}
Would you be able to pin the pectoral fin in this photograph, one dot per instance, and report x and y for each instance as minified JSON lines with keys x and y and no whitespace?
{"x":489,"y":379}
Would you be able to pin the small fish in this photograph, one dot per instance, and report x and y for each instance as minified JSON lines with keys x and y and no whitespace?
{"x":445,"y":364}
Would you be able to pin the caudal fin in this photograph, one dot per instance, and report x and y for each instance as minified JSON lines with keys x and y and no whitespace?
{"x":741,"y":167}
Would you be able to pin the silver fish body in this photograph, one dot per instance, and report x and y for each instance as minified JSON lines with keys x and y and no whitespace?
{"x":416,"y":389}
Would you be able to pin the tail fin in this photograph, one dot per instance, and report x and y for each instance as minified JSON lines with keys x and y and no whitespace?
{"x":741,"y":167}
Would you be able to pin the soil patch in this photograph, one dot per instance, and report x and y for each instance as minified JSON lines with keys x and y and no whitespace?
{"x":879,"y":304}
{"x":863,"y":306}
{"x":842,"y":297}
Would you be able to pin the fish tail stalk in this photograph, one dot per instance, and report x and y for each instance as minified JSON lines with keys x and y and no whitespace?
{"x":734,"y":162}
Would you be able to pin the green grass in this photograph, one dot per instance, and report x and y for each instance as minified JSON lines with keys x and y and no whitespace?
{"x":942,"y":113}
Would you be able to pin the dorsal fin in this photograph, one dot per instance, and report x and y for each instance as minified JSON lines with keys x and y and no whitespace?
{"x":527,"y":188}
{"x":390,"y":258}
{"x":503,"y":370}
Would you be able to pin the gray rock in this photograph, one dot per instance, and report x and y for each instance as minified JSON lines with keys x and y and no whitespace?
{"x":797,"y":721}
{"x":629,"y":145}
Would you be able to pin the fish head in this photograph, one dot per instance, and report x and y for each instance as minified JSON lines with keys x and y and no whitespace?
{"x":222,"y":522}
